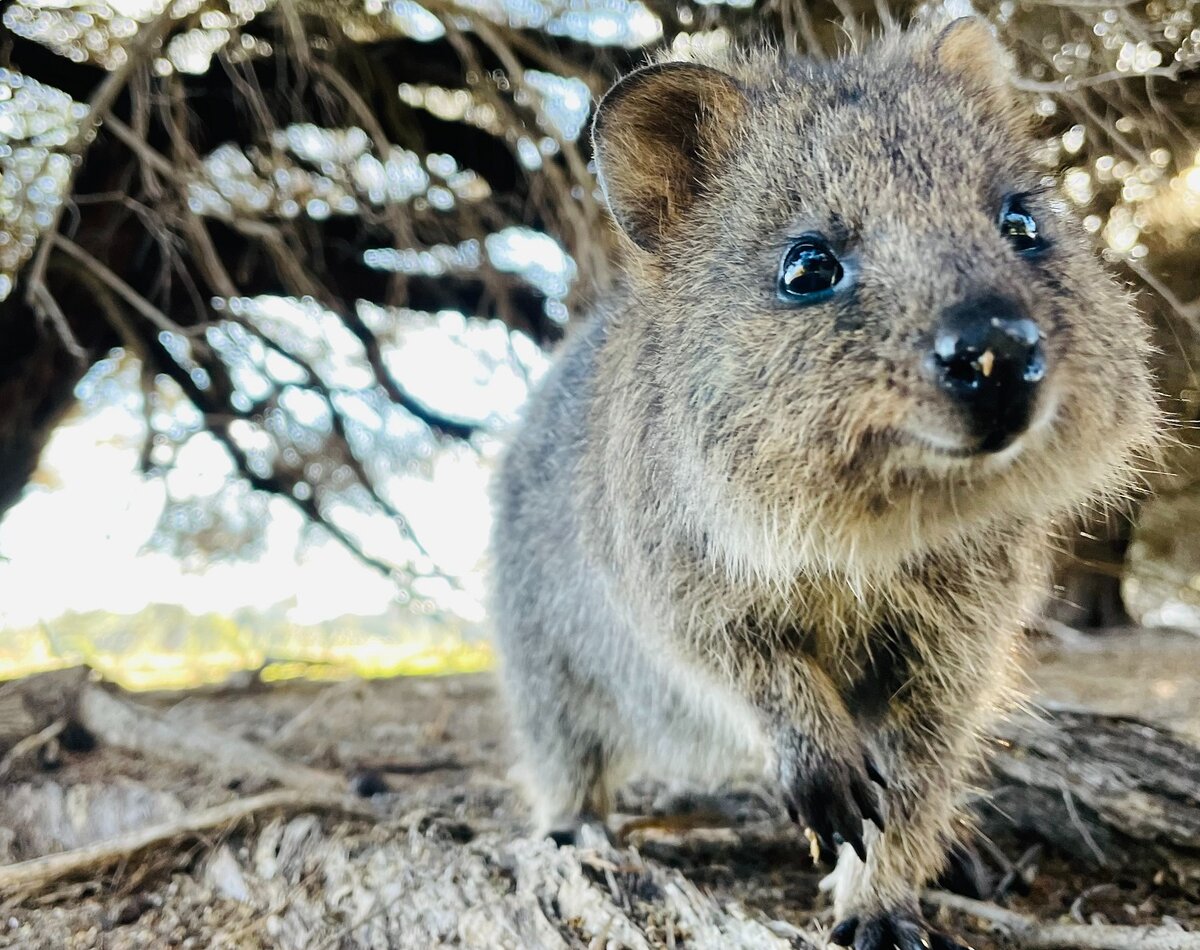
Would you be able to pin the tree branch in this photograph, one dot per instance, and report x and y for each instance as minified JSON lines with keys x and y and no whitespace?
{"x":147,"y":39}
{"x":1029,"y":934}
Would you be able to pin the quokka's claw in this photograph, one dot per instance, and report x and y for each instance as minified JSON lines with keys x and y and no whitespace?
{"x":584,"y":830}
{"x":873,"y":771}
{"x":814,"y":845}
{"x":834,"y":798}
{"x":942,"y":942}
{"x":843,"y":934}
{"x":562,"y":837}
{"x":855,"y":840}
{"x":868,"y":803}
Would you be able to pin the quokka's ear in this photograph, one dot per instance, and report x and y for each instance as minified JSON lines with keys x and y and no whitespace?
{"x":658,"y":136}
{"x":969,"y":50}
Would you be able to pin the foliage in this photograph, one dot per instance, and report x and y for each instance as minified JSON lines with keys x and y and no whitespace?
{"x":262,"y":201}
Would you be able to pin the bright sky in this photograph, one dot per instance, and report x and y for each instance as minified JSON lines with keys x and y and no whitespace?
{"x":77,"y":540}
{"x":78,"y":544}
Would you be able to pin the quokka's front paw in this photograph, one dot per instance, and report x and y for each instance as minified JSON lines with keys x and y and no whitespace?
{"x":896,"y":930}
{"x":832,"y":795}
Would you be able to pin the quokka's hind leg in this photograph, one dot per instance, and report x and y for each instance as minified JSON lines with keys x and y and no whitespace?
{"x":567,"y":760}
{"x":572,"y":793}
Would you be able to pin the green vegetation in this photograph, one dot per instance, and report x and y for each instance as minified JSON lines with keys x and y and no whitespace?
{"x":166,"y":647}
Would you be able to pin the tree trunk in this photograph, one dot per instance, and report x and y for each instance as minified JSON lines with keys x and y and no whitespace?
{"x":37,"y":383}
{"x":1109,"y":791}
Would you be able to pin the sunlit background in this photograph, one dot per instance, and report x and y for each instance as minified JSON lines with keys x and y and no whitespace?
{"x":141,"y":547}
{"x":95,"y":537}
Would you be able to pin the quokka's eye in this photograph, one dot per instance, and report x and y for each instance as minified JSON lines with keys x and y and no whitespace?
{"x":809,"y":267}
{"x":1020,"y":227}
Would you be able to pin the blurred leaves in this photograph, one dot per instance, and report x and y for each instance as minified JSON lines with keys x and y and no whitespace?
{"x":281,"y":193}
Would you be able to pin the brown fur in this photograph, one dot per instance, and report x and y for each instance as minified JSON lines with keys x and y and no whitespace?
{"x":733,"y":525}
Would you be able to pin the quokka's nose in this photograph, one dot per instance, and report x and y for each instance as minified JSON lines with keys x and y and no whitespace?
{"x":988,"y":355}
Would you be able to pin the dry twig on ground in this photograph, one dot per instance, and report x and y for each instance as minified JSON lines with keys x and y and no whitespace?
{"x":118,"y":722}
{"x":40,"y":871}
{"x":1030,"y":934}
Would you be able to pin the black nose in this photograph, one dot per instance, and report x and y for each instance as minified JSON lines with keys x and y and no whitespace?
{"x":988,"y":355}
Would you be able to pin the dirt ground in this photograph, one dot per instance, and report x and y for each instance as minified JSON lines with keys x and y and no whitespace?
{"x":438,"y":856}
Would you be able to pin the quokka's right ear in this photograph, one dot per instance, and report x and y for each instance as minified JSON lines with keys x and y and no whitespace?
{"x":969,"y":50}
{"x":658,"y":137}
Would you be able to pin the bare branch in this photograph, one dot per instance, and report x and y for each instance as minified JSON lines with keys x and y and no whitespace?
{"x":44,"y":302}
{"x":38,"y":872}
{"x":136,"y":53}
{"x":109,"y":277}
{"x":1073,"y":83}
{"x":1029,"y":934}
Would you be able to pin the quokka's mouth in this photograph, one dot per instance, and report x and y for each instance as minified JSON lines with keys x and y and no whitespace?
{"x":941,"y":450}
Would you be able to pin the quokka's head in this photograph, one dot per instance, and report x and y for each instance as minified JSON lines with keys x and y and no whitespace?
{"x":867,"y":319}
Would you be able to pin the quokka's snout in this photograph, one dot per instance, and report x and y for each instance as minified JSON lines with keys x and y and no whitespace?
{"x":987,"y":356}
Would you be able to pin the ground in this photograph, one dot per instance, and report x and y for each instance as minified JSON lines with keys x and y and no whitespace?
{"x":433,"y":850}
